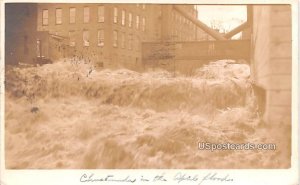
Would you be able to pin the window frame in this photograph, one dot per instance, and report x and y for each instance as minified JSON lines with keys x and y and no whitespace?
{"x":115,"y":38}
{"x":45,"y":18}
{"x":57,"y":17}
{"x":130,"y":40}
{"x":70,"y":15}
{"x":143,"y":24}
{"x":88,"y":38}
{"x":101,"y":17}
{"x":86,"y":14}
{"x":123,"y":17}
{"x":137,"y":22}
{"x":72,"y":36}
{"x":130,"y":15}
{"x":100,"y":44}
{"x":115,"y":15}
{"x":123,"y":40}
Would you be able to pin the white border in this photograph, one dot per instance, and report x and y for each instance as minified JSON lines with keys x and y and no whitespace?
{"x":241,"y":177}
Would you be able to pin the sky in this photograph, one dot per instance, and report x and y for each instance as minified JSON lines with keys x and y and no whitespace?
{"x":225,"y":16}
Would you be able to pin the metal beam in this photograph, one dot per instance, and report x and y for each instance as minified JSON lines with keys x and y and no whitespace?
{"x":200,"y":24}
{"x":236,"y":30}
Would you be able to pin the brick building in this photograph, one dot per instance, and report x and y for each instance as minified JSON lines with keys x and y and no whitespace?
{"x":109,"y":34}
{"x":20,"y":33}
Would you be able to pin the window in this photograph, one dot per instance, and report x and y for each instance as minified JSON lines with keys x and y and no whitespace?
{"x":137,"y":45}
{"x":86,"y":38}
{"x":86,"y":14}
{"x":123,"y":17}
{"x":115,"y":41}
{"x":123,"y":40}
{"x":58,"y":16}
{"x":137,"y":22}
{"x":100,"y":37}
{"x":38,"y":48}
{"x":100,"y":13}
{"x":130,"y":41}
{"x":72,"y":15}
{"x":45,"y":17}
{"x":143,"y":24}
{"x":130,"y":20}
{"x":72,"y":38}
{"x":115,"y":14}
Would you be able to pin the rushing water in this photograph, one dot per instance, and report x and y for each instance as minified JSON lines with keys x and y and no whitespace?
{"x":70,"y":115}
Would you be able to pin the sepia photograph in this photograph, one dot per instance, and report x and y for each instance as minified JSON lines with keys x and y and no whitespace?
{"x":147,"y":86}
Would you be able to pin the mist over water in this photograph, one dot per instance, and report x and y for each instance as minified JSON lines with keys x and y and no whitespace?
{"x":71,"y":115}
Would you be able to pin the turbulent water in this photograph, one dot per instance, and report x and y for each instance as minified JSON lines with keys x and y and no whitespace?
{"x":70,"y":115}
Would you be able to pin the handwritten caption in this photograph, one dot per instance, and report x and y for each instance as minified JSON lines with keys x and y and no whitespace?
{"x":179,"y":178}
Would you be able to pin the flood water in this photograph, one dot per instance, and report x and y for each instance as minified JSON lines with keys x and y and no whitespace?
{"x":70,"y":115}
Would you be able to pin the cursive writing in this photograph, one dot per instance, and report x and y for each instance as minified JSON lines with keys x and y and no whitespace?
{"x":179,"y":178}
{"x":107,"y":178}
{"x":215,"y":177}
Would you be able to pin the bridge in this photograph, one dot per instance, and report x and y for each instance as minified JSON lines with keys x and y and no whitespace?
{"x":267,"y":49}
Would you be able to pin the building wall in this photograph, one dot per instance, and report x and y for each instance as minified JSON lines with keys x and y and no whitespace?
{"x":110,"y":55}
{"x":175,"y":26}
{"x":271,"y":63}
{"x":161,"y":23}
{"x":20,"y":33}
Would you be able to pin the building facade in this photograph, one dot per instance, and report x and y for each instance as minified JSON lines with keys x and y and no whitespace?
{"x":20,"y":32}
{"x":110,"y":35}
{"x":271,"y":64}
